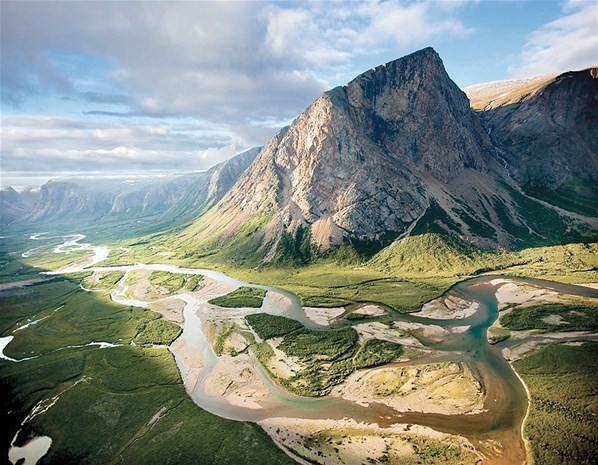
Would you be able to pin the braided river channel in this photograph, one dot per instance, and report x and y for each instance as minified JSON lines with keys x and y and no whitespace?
{"x":496,"y":431}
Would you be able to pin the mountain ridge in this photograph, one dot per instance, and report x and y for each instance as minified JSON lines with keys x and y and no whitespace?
{"x":371,"y":161}
{"x":545,"y":128}
{"x":157,"y":202}
{"x":360,"y":163}
{"x":396,"y":152}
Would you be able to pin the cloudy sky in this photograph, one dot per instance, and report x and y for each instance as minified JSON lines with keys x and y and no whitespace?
{"x":153,"y":85}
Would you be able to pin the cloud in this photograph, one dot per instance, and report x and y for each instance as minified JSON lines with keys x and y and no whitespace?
{"x":230,"y":61}
{"x":568,"y":43}
{"x":237,"y":70}
{"x":410,"y":24}
{"x":201,"y":59}
{"x":57,"y":144}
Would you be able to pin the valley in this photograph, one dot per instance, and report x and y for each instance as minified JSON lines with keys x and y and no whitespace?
{"x":405,"y":274}
{"x":441,"y":391}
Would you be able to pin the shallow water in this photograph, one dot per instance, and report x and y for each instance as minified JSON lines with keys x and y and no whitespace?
{"x":31,"y":452}
{"x":4,"y":341}
{"x":496,"y":431}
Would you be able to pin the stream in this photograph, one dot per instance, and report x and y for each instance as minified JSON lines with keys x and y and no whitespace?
{"x":496,"y":431}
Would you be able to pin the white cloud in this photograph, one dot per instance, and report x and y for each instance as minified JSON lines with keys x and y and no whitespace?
{"x":409,"y":24}
{"x":285,"y":27}
{"x":225,"y":61}
{"x":55,"y":144}
{"x":239,"y":70}
{"x":568,"y":43}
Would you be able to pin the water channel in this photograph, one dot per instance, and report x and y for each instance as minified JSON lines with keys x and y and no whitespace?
{"x":496,"y":431}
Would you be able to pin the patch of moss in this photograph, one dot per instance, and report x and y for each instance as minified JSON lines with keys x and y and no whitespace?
{"x":377,"y":352}
{"x":251,"y":297}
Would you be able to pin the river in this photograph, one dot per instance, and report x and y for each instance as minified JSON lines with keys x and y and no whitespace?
{"x":496,"y":431}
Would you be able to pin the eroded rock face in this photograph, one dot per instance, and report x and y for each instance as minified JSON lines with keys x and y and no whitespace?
{"x":546,"y":128}
{"x":355,"y":162}
{"x":399,"y":151}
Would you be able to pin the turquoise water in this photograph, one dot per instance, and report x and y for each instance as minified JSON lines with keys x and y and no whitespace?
{"x":496,"y":431}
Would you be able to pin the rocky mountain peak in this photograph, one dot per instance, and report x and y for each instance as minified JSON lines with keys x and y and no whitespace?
{"x":384,"y":80}
{"x":411,"y":107}
{"x":355,"y":162}
{"x":546,"y":130}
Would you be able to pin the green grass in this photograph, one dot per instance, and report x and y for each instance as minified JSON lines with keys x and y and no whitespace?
{"x":580,"y":196}
{"x":84,"y":317}
{"x":436,"y":255}
{"x":222,"y":337}
{"x":296,"y":248}
{"x":327,"y":355}
{"x":209,"y":240}
{"x":12,"y":270}
{"x":172,"y":282}
{"x":251,"y":297}
{"x":194,"y":283}
{"x":157,"y":331}
{"x":402,"y":277}
{"x":269,"y":326}
{"x":328,"y":284}
{"x":108,"y":397}
{"x":574,"y":317}
{"x":106,"y":281}
{"x":356,"y":316}
{"x":324,"y":345}
{"x":562,"y":426}
{"x":547,"y":225}
{"x":377,"y":352}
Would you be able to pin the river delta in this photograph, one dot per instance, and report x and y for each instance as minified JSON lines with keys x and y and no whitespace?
{"x":453,"y":386}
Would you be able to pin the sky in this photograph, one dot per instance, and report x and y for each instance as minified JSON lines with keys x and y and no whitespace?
{"x":135,"y":86}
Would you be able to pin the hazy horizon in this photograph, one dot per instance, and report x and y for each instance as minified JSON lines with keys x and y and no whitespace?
{"x":23,"y":180}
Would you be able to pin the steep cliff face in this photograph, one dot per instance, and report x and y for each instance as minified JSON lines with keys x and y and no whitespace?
{"x":363,"y":160}
{"x":412,"y":108}
{"x":545,"y":129}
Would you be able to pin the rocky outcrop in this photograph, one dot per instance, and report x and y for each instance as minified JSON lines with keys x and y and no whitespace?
{"x":545,"y":127}
{"x":357,"y":163}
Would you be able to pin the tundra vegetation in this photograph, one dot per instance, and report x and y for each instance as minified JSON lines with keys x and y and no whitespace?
{"x":401,"y":281}
{"x":326,"y":357}
{"x":566,"y":316}
{"x":251,"y":297}
{"x":562,"y":426}
{"x":94,"y":419}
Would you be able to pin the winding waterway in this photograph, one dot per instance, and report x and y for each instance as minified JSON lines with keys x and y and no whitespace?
{"x":496,"y":431}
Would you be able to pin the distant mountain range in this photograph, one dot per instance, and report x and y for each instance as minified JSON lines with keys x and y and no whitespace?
{"x":144,"y":204}
{"x":398,"y":151}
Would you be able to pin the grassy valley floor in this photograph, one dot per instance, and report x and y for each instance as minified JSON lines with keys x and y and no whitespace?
{"x":90,"y":358}
{"x":123,"y":404}
{"x":562,"y":426}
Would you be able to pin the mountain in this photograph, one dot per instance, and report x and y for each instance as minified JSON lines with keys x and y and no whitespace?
{"x":141,"y":202}
{"x":545,"y":129}
{"x":15,"y":205}
{"x":396,"y":151}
